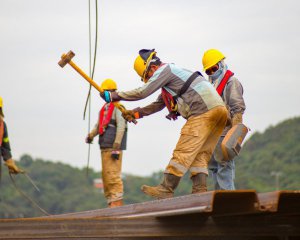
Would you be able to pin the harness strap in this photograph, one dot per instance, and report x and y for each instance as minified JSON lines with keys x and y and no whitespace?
{"x":105,"y":116}
{"x":224,"y":81}
{"x":188,"y":83}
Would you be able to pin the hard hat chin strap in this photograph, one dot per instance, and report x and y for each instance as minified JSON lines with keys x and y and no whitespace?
{"x":151,"y":59}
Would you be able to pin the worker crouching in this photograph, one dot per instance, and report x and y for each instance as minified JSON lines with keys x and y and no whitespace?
{"x":187,"y":94}
{"x":112,"y":130}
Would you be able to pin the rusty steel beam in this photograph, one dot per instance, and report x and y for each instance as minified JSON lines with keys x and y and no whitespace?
{"x":212,"y":215}
{"x":183,"y":227}
{"x":216,"y":202}
{"x":282,"y":202}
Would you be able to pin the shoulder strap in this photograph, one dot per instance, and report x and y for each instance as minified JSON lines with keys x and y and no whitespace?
{"x":188,"y":83}
{"x":224,"y":81}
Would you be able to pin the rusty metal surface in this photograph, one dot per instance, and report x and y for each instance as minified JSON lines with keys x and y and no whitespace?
{"x":212,"y":215}
{"x":284,"y":202}
{"x":216,"y":202}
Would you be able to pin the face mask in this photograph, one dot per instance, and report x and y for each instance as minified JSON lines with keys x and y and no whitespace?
{"x":217,"y":74}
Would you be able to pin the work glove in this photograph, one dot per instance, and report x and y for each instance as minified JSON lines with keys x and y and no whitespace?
{"x":89,"y":139}
{"x":237,"y":118}
{"x":130,"y":115}
{"x":12,"y":167}
{"x":106,"y":96}
{"x":116,"y":146}
{"x":110,"y":96}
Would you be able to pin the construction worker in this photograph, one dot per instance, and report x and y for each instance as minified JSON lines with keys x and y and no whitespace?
{"x":187,"y":94}
{"x":231,"y":91}
{"x":112,"y":130}
{"x":5,"y":146}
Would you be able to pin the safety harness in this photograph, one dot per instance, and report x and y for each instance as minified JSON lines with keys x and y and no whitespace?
{"x":171,"y":101}
{"x":105,"y":116}
{"x":224,"y":81}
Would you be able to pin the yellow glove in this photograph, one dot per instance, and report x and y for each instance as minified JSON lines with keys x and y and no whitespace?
{"x":12,"y":167}
{"x":237,"y":118}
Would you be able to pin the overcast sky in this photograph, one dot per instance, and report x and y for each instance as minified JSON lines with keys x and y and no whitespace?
{"x":44,"y":103}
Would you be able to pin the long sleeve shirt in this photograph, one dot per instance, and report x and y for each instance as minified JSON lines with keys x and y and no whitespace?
{"x":198,"y":99}
{"x":5,"y":145}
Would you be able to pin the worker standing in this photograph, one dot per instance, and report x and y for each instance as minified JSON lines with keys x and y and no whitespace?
{"x":5,"y":145}
{"x":187,"y":94}
{"x":112,"y":130}
{"x":231,"y":91}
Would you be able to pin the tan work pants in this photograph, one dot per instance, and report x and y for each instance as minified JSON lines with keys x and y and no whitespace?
{"x":197,"y":142}
{"x":111,"y":176}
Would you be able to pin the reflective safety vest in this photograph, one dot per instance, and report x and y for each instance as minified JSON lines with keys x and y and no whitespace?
{"x":105,"y":116}
{"x":224,"y":81}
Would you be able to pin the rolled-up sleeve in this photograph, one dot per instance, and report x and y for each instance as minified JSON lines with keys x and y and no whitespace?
{"x":121,"y":126}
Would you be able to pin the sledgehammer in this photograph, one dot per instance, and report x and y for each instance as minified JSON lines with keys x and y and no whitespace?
{"x":67,"y":58}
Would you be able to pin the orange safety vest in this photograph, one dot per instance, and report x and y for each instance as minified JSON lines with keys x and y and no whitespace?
{"x":105,"y":116}
{"x":224,"y":81}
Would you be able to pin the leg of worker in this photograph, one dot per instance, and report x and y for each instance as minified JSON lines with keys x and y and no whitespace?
{"x":222,"y":172}
{"x":189,"y":145}
{"x":213,"y":170}
{"x":186,"y":150}
{"x":111,"y":174}
{"x":213,"y":164}
{"x":225,"y":175}
{"x":199,"y":167}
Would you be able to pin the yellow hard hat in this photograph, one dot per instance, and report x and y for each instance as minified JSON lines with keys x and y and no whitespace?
{"x":109,"y":84}
{"x":142,"y":61}
{"x":1,"y":102}
{"x":211,"y":57}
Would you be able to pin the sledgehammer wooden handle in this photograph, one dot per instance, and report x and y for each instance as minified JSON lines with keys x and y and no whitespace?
{"x":67,"y":58}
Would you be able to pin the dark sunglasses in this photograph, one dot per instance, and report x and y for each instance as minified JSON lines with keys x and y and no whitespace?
{"x":212,"y":70}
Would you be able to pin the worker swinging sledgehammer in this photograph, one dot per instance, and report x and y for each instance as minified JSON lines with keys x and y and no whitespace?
{"x":197,"y":101}
{"x":67,"y":59}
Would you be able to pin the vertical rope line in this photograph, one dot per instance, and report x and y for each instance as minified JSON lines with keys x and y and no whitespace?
{"x":91,"y":71}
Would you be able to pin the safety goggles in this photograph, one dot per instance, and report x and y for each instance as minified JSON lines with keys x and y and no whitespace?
{"x":212,"y":69}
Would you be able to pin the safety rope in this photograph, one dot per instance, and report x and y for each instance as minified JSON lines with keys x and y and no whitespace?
{"x":26,"y":196}
{"x":91,"y":72}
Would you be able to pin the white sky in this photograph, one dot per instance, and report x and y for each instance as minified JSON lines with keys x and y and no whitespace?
{"x":44,"y":103}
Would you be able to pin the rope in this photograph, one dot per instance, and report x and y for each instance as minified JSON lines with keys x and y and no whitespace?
{"x":27,"y":197}
{"x":91,"y":72}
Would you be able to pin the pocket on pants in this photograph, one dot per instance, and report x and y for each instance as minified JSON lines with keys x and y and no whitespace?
{"x":188,"y":130}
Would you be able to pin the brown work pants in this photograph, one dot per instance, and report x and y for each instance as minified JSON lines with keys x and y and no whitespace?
{"x":111,"y":176}
{"x":197,"y":142}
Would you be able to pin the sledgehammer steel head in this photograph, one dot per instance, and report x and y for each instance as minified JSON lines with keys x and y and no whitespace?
{"x":66,"y":58}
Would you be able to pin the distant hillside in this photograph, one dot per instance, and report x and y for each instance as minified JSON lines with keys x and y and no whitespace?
{"x":67,"y":189}
{"x":277,"y":150}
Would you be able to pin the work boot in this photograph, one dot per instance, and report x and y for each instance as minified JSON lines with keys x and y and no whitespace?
{"x":117,"y":203}
{"x":199,"y":183}
{"x":163,"y":190}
